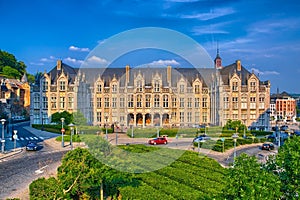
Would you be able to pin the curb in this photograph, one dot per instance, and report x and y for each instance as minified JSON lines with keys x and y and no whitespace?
{"x":11,"y":153}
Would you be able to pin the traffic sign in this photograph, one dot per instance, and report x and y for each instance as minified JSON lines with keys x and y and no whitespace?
{"x":63,"y":130}
{"x":222,"y":139}
{"x":15,"y":137}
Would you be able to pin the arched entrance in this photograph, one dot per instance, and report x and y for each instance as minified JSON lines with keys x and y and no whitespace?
{"x":148,"y":119}
{"x":156,"y":119}
{"x":130,"y":119}
{"x":165,"y":119}
{"x":139,"y":119}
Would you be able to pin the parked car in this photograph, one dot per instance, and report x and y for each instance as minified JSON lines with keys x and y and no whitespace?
{"x":284,"y":128}
{"x":31,"y":146}
{"x":267,"y":146}
{"x":200,"y":138}
{"x":297,"y":133}
{"x":160,"y":140}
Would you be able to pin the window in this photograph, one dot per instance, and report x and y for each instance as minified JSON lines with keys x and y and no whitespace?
{"x":204,"y":117}
{"x":62,"y":85}
{"x":189,"y":102}
{"x":45,"y":102}
{"x":70,"y":102}
{"x":99,"y":116}
{"x":36,"y":101}
{"x":148,"y":100}
{"x":252,"y":103}
{"x":62,"y":102}
{"x":226,"y":102}
{"x":252,"y":116}
{"x":156,"y":86}
{"x":99,"y":88}
{"x":197,"y":117}
{"x":139,"y":101}
{"x":36,"y":117}
{"x":174,"y":102}
{"x":235,"y":116}
{"x":252,"y":86}
{"x":114,"y":88}
{"x":261,"y":102}
{"x":204,"y":102}
{"x":122,"y":102}
{"x":53,"y":102}
{"x":235,"y":86}
{"x":165,"y":101}
{"x":244,"y":102}
{"x":197,"y":89}
{"x":181,"y":103}
{"x":106,"y":102}
{"x":130,"y":101}
{"x":139,"y":87}
{"x":156,"y":101}
{"x":181,"y":116}
{"x":45,"y":85}
{"x":189,"y":116}
{"x":114,"y":102}
{"x":99,"y":102}
{"x":197,"y":102}
{"x":235,"y":104}
{"x":181,"y":88}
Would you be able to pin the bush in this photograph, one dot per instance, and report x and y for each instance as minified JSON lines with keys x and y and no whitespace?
{"x":261,"y":133}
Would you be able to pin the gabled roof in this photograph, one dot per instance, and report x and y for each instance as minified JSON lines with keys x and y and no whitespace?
{"x":66,"y":69}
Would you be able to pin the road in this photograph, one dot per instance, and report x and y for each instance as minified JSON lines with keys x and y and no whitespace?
{"x":17,"y":173}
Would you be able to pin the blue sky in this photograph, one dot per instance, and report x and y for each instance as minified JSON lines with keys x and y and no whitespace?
{"x":264,"y":35}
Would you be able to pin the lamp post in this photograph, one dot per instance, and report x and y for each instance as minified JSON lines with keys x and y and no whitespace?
{"x":2,"y":138}
{"x":116,"y":134}
{"x":132,"y":128}
{"x":244,"y":128}
{"x":234,"y":137}
{"x":106,"y":117}
{"x":15,"y":138}
{"x":62,"y":132}
{"x":72,"y":132}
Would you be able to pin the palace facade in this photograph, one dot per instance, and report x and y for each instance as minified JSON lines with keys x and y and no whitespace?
{"x":154,"y":96}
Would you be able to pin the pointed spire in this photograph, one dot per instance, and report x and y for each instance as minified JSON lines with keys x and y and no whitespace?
{"x":218,"y":59}
{"x":24,"y":78}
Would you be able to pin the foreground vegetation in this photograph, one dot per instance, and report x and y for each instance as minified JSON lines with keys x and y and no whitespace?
{"x":89,"y":173}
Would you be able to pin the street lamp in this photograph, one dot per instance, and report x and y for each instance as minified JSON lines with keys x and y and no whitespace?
{"x":15,"y":137}
{"x":2,"y":138}
{"x":235,"y":137}
{"x":72,"y":132}
{"x":62,"y":132}
{"x":244,"y":128}
{"x":132,"y":128}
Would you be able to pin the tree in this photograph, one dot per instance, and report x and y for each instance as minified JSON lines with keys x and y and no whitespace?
{"x":248,"y":180}
{"x":11,"y":72}
{"x":288,"y":167}
{"x":56,"y":117}
{"x":232,"y":125}
{"x":45,"y":189}
{"x":79,"y":119}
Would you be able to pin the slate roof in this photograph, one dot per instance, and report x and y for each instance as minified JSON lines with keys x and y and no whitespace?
{"x":68,"y":70}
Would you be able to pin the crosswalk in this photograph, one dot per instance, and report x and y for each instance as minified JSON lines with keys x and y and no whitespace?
{"x":28,"y":138}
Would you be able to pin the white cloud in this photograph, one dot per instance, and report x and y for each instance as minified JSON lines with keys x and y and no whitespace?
{"x":257,"y":71}
{"x":211,"y":29}
{"x":73,"y":60}
{"x":163,"y":62}
{"x":37,"y":64}
{"x":95,"y":59}
{"x":215,"y":13}
{"x":50,"y":59}
{"x":74,"y":48}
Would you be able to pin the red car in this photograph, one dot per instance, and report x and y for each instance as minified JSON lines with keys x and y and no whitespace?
{"x":160,"y":140}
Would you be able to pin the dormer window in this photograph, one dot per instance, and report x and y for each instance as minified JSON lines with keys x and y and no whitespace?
{"x":139,"y":87}
{"x":197,"y":89}
{"x":235,"y":86}
{"x":181,"y":88}
{"x":252,"y":86}
{"x":156,"y":86}
{"x":62,"y":85}
{"x":45,"y":85}
{"x":99,"y":88}
{"x":114,"y":88}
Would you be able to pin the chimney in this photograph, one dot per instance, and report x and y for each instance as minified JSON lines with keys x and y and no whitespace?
{"x":127,"y":73}
{"x":238,"y":66}
{"x":58,"y":64}
{"x":169,"y":74}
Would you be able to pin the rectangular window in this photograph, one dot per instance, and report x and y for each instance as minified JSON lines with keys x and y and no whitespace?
{"x":114,"y":102}
{"x":99,"y":116}
{"x":45,"y":85}
{"x":234,"y":86}
{"x":45,"y":102}
{"x":70,"y":102}
{"x":130,"y":101}
{"x":156,"y":101}
{"x":181,"y":103}
{"x":235,"y":104}
{"x":122,"y":102}
{"x":197,"y":102}
{"x":148,"y":100}
{"x":62,"y":85}
{"x":189,"y":102}
{"x":165,"y":101}
{"x":174,"y":102}
{"x":189,"y":116}
{"x":204,"y":117}
{"x":252,"y":116}
{"x":226,"y":102}
{"x":99,"y":102}
{"x":62,"y":102}
{"x":53,"y":102}
{"x":156,"y":86}
{"x":36,"y":101}
{"x":106,"y":102}
{"x":197,"y":117}
{"x":114,"y":88}
{"x":181,"y":116}
{"x":139,"y":101}
{"x":252,"y":86}
{"x":252,"y":103}
{"x":99,"y":88}
{"x":204,"y":102}
{"x":197,"y":89}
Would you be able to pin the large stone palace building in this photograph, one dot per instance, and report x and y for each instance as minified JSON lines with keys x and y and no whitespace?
{"x":153,"y":96}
